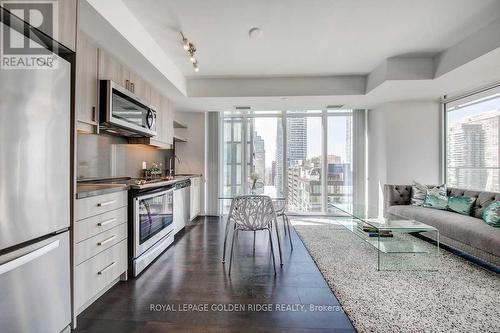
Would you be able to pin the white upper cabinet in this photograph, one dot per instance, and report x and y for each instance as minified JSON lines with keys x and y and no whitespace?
{"x":86,"y":84}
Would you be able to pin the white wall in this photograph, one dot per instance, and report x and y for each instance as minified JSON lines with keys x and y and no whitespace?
{"x":403,"y":145}
{"x":192,"y":152}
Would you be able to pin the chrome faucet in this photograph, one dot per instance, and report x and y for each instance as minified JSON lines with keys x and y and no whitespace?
{"x":171,"y":160}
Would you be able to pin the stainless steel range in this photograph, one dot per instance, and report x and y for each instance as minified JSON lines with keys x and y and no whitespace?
{"x":151,"y":213}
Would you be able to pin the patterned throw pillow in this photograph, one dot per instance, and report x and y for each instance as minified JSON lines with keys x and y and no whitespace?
{"x":491,"y":214}
{"x":436,"y":198}
{"x":418,"y":193}
{"x":461,"y":205}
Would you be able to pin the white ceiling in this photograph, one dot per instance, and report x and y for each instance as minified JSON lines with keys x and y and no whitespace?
{"x":307,"y":37}
{"x":313,"y":53}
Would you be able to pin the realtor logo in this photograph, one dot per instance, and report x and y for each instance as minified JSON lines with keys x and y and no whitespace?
{"x":27,"y":49}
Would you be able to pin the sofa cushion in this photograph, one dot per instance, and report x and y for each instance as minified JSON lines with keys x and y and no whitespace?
{"x":465,"y":229}
{"x":484,"y":199}
{"x":461,"y":205}
{"x":491,"y":214}
{"x":418,"y":194}
{"x":435,"y":199}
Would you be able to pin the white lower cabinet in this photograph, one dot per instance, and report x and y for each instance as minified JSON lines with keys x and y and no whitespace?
{"x":94,"y":225}
{"x":100,"y":246}
{"x":94,"y":245}
{"x":95,"y":274}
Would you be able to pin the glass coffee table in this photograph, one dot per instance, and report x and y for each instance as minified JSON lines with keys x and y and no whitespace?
{"x":392,"y":236}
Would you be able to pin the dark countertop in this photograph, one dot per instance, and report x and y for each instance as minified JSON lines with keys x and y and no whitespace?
{"x":89,"y":190}
{"x":92,"y":187}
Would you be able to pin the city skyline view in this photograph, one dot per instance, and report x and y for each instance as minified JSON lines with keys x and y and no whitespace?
{"x":303,"y":167}
{"x":473,"y":145}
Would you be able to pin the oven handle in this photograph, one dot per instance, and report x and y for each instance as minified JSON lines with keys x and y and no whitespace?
{"x":152,"y":195}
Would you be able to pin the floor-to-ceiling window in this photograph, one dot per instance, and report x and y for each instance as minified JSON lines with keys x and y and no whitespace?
{"x":264,"y":150}
{"x":304,"y":165}
{"x":473,"y":141}
{"x":339,"y":159}
{"x":304,"y":156}
{"x":232,"y":156}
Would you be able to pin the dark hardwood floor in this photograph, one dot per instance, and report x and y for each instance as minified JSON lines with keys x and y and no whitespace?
{"x":190,"y":272}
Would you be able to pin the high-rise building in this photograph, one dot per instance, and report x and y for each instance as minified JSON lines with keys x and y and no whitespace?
{"x":297,"y":140}
{"x":305,"y":186}
{"x":273,"y":173}
{"x":278,"y":178}
{"x":473,"y":152}
{"x":296,"y":148}
{"x":259,"y":156}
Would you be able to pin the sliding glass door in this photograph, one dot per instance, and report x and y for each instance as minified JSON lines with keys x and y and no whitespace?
{"x":303,"y":156}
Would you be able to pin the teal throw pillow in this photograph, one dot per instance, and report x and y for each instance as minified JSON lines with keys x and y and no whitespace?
{"x":436,"y":199}
{"x":491,"y":215}
{"x":461,"y":205}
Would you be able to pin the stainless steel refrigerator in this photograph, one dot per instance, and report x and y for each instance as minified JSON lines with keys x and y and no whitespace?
{"x":35,"y":199}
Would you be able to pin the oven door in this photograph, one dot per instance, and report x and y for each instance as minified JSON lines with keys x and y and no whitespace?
{"x":153,"y":217}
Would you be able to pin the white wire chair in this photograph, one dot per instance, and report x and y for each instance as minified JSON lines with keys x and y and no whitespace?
{"x":251,"y":213}
{"x":280,"y":208}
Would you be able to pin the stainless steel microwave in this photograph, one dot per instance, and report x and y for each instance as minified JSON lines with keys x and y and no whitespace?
{"x":124,"y":113}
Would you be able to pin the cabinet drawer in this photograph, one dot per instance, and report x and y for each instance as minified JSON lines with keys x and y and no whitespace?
{"x":95,"y":274}
{"x":94,"y":245}
{"x":99,"y":204}
{"x":94,"y":225}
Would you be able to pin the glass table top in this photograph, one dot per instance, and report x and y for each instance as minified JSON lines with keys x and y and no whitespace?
{"x":369,"y":215}
{"x":270,"y":191}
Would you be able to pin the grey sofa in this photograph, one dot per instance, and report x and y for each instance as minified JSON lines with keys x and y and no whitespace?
{"x":466,"y":233}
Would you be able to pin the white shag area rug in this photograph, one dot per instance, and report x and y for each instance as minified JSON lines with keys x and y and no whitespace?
{"x":459,"y":297}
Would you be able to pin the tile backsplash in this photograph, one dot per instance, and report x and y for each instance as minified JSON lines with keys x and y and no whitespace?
{"x":103,"y":156}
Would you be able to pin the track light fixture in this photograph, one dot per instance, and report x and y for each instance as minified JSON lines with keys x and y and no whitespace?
{"x":191,"y":50}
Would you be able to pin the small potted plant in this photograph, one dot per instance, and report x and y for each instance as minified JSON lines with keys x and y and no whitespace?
{"x":154,"y":171}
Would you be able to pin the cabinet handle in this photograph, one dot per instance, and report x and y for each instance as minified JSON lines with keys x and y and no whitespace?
{"x":107,"y":240}
{"x":107,"y":203}
{"x":107,"y":268}
{"x":103,"y":223}
{"x":94,"y":114}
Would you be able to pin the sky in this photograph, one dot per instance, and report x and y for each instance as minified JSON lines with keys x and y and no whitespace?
{"x":267,"y":127}
{"x":472,"y":110}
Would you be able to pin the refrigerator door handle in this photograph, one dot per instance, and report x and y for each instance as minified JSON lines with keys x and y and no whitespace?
{"x":23,"y":260}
